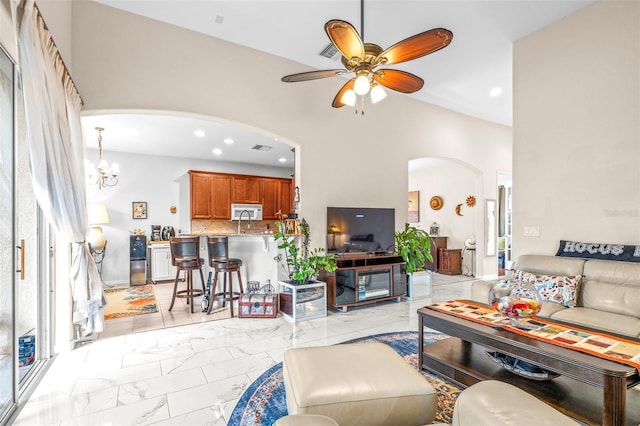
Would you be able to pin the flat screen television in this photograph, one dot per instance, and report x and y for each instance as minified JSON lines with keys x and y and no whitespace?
{"x":360,"y":230}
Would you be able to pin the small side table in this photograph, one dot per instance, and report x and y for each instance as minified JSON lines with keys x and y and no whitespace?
{"x":303,"y":302}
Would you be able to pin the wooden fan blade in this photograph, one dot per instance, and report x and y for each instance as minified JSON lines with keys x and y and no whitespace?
{"x":416,"y":46}
{"x":397,"y":80}
{"x":337,"y":101}
{"x":345,"y":38}
{"x":311,"y":75}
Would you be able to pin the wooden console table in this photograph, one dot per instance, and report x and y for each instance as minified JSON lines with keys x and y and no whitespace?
{"x":591,"y":389}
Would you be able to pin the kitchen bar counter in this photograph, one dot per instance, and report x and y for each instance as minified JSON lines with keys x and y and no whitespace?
{"x":257,"y":252}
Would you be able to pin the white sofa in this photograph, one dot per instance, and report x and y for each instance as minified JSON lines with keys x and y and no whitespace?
{"x":607,"y":296}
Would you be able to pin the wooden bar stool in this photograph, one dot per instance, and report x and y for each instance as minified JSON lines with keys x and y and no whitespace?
{"x":220,"y":261}
{"x":185,"y":256}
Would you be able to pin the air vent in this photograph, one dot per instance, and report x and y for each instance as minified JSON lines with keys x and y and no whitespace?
{"x":331,"y":52}
{"x":261,"y":147}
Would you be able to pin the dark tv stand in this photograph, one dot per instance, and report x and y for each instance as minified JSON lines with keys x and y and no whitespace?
{"x":365,"y":278}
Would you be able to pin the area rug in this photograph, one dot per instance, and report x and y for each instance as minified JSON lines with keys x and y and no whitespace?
{"x":264,"y":400}
{"x":129,"y":301}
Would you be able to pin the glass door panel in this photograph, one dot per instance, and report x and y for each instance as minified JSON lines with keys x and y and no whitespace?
{"x":26,"y":286}
{"x":7,"y":243}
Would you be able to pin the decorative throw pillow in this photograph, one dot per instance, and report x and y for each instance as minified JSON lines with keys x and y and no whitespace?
{"x":553,"y":288}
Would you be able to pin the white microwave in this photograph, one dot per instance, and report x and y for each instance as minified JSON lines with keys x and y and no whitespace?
{"x":253,"y":211}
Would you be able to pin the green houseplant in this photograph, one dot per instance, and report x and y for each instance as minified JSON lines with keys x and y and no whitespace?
{"x":301,"y":264}
{"x":414,"y":245}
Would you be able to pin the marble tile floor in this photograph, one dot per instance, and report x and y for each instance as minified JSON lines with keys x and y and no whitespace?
{"x":194,"y":374}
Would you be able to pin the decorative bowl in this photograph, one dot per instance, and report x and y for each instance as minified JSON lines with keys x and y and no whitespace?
{"x":515,"y":300}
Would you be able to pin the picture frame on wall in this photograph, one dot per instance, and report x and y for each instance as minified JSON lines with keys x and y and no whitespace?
{"x":139,"y":209}
{"x":413,"y":213}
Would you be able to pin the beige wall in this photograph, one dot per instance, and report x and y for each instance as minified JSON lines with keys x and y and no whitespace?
{"x":577,"y":129}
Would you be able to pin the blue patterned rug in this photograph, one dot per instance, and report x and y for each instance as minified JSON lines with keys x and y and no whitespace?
{"x":264,"y":401}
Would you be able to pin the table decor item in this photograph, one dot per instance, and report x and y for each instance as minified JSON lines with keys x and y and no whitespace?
{"x":515,"y":300}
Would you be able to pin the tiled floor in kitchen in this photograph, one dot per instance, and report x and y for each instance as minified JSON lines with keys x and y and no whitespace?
{"x":193,"y":374}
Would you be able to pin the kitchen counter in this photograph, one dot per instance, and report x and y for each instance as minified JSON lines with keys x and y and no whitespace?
{"x":257,"y":252}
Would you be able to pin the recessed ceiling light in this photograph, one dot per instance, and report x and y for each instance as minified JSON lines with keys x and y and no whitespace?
{"x":282,"y":160}
{"x":217,"y":151}
{"x":496,"y":91}
{"x":228,"y":141}
{"x":199,"y":133}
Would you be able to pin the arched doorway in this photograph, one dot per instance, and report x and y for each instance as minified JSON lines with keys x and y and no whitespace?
{"x":459,"y":218}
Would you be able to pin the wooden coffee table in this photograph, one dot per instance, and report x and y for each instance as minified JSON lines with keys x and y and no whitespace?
{"x":590,"y":389}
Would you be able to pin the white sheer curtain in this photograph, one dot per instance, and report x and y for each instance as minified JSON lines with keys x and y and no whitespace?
{"x":52,"y":107}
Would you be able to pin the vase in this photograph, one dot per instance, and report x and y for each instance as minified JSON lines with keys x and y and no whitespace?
{"x":515,"y":300}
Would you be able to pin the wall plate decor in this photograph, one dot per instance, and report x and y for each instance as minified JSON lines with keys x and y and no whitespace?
{"x":471,"y":201}
{"x":436,"y":202}
{"x":413,"y":215}
{"x":139,"y":209}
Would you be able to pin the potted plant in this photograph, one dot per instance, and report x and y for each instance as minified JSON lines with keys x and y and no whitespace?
{"x":414,"y":245}
{"x":302,"y":264}
{"x":301,"y":295}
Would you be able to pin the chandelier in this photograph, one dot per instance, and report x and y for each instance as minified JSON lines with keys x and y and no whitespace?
{"x":103,"y":175}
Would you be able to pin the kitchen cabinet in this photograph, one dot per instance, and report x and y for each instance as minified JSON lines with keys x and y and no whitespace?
{"x":221,"y":197}
{"x":276,"y":196}
{"x":201,"y":195}
{"x":213,"y":193}
{"x":210,"y":195}
{"x":160,"y":267}
{"x":245,"y":190}
{"x":285,"y":196}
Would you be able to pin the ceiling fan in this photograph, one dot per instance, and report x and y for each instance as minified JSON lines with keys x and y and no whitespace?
{"x":363,"y":59}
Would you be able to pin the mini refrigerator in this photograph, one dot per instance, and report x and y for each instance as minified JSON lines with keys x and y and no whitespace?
{"x":138,"y":259}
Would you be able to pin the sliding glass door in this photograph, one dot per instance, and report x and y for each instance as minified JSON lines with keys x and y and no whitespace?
{"x":25,"y":318}
{"x":7,"y":234}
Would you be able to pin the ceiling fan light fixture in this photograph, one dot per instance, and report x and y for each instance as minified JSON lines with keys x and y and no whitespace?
{"x":362,"y":85}
{"x":377,"y":93}
{"x":349,"y":98}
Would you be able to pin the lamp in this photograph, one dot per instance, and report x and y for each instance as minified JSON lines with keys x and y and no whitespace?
{"x":103,"y":175}
{"x":97,"y":215}
{"x":377,"y":93}
{"x":362,"y":85}
{"x":333,"y":230}
{"x":349,"y":98}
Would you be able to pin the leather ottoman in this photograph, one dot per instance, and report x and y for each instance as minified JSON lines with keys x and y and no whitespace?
{"x":357,"y":384}
{"x":490,"y":403}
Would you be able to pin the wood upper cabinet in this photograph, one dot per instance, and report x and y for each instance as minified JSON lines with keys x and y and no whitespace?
{"x":201,"y":195}
{"x":276,"y":195}
{"x":210,"y":195}
{"x":285,"y":203}
{"x":213,"y":193}
{"x":245,"y":189}
{"x":269,"y":198}
{"x":221,"y":197}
